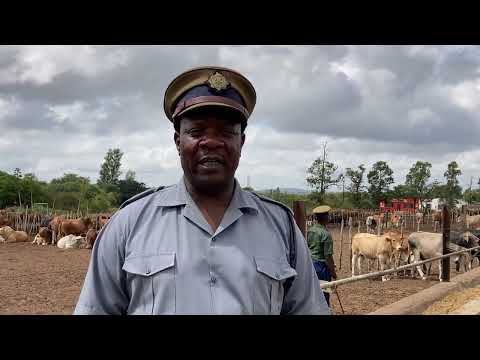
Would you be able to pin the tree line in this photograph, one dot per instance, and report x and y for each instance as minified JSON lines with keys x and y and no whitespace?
{"x":72,"y":192}
{"x":362,"y":189}
{"x":359,"y":188}
{"x":356,"y":188}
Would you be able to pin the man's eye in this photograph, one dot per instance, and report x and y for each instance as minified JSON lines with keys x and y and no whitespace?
{"x":194,"y":132}
{"x":230,"y":132}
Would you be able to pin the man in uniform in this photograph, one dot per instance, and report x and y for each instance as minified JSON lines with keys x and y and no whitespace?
{"x":321,"y":246}
{"x":203,"y":246}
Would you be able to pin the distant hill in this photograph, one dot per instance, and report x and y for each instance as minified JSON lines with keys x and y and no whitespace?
{"x":294,"y":191}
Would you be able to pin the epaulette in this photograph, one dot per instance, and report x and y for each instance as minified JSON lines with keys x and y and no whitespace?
{"x":140,"y":196}
{"x":292,"y":258}
{"x":264,"y":198}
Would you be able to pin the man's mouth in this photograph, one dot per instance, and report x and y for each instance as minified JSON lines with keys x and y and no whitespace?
{"x":211,"y":162}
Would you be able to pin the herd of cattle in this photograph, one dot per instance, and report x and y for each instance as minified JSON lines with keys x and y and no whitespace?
{"x":395,"y":248}
{"x":71,"y":233}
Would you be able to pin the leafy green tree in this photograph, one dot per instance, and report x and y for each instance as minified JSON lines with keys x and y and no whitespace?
{"x":110,"y":169}
{"x":8,"y":190}
{"x":129,"y":188}
{"x":321,"y":174}
{"x":130,"y":175}
{"x":380,"y":178}
{"x":356,"y":183}
{"x":417,"y":179}
{"x":453,"y":189}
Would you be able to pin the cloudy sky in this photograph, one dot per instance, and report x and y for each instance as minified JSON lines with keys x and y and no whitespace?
{"x":63,"y":107}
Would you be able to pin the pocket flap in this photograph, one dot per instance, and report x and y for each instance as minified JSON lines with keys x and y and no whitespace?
{"x":147,"y":265}
{"x":278,"y":269}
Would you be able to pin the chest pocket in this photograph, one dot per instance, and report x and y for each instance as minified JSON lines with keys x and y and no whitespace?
{"x":271,"y":274}
{"x":151,"y":282}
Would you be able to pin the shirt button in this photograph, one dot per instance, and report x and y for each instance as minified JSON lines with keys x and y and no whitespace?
{"x":147,"y":272}
{"x":213,"y":280}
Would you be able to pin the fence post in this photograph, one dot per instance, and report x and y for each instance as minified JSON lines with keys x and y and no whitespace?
{"x":350,"y":224}
{"x":341,"y":244}
{"x":446,"y":239}
{"x":299,"y":215}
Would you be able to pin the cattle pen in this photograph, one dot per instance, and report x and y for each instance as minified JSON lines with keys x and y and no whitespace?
{"x":47,"y":280}
{"x":362,"y":294}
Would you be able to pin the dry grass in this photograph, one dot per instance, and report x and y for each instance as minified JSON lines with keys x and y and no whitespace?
{"x":452,"y":302}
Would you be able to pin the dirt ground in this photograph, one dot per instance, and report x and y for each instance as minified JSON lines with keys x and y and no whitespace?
{"x":48,"y":280}
{"x":40,"y":279}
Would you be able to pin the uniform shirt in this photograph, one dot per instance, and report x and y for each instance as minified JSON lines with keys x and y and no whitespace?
{"x":320,"y":242}
{"x":159,"y":255}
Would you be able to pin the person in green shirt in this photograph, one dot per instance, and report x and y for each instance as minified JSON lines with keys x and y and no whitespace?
{"x":320,"y":244}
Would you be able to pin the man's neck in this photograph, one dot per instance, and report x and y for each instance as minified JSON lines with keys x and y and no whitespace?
{"x":211,"y":205}
{"x":216,"y":197}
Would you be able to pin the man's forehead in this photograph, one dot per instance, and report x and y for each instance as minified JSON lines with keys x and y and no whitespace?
{"x":213,"y":121}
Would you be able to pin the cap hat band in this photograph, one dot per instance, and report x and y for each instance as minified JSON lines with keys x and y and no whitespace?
{"x":185,"y":104}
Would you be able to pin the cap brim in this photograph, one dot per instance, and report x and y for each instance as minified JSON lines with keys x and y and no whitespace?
{"x":211,"y":104}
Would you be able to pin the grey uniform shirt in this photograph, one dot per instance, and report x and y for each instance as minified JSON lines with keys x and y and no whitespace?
{"x":159,"y":255}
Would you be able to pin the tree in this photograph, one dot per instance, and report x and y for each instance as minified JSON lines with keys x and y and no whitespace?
{"x":17,"y":173}
{"x":130,"y":175}
{"x":321,"y":174}
{"x":8,"y":190}
{"x":453,"y":189}
{"x":380,"y":178}
{"x":356,"y":180}
{"x":110,"y":170}
{"x":129,"y":188}
{"x":417,"y":178}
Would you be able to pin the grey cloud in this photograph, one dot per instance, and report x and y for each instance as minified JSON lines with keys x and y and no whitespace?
{"x":397,"y":107}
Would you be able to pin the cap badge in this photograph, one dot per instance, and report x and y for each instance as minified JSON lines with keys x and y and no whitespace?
{"x":218,"y":82}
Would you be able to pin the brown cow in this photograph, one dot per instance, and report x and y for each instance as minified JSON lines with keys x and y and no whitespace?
{"x":11,"y":235}
{"x":396,"y":220}
{"x":103,"y":219}
{"x":44,"y":236}
{"x":54,"y":225}
{"x":74,"y":227}
{"x":90,"y":238}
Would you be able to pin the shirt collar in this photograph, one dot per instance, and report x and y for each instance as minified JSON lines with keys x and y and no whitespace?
{"x":178,"y":195}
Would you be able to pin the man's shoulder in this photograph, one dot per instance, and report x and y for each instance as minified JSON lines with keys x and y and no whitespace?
{"x":268,"y":203}
{"x":146,"y":198}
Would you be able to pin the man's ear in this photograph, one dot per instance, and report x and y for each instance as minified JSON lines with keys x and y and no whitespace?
{"x":176,"y":138}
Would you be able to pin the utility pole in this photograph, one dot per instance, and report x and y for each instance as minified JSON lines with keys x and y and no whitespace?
{"x":470,"y":191}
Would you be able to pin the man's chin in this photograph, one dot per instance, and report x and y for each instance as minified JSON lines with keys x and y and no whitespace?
{"x":212,"y":183}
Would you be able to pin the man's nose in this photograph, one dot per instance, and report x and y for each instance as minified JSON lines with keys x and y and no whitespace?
{"x":211,"y":141}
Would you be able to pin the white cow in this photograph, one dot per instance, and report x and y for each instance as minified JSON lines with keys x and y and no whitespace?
{"x":427,"y":245}
{"x":71,"y":242}
{"x":472,"y":221}
{"x":371,"y":246}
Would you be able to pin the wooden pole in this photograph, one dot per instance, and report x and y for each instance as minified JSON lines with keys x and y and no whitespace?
{"x":446,"y":239}
{"x":350,"y":223}
{"x":299,"y":215}
{"x":341,"y":245}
